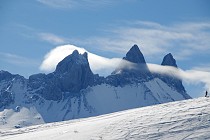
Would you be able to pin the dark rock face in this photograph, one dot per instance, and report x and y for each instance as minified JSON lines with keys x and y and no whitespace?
{"x":6,"y":98}
{"x":72,"y":74}
{"x":137,"y":73}
{"x":134,"y":55}
{"x":168,"y":60}
{"x":46,"y":86}
{"x":141,"y":73}
{"x":138,"y":64}
{"x":173,"y":82}
{"x":4,"y":75}
{"x":7,"y":81}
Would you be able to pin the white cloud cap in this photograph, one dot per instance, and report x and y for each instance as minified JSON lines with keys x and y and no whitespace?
{"x":98,"y":64}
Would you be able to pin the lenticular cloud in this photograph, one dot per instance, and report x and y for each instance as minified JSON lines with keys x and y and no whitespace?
{"x":189,"y":76}
{"x":98,"y":64}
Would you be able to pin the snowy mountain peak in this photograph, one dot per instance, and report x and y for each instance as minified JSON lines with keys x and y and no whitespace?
{"x":134,"y":55}
{"x":169,"y":60}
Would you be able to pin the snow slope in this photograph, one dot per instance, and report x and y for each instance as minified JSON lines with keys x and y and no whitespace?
{"x":188,"y":119}
{"x":93,"y":101}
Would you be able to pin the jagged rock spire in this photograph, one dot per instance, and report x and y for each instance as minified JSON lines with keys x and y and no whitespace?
{"x":169,"y":60}
{"x":134,"y":55}
{"x":74,"y":72}
{"x":75,"y":58}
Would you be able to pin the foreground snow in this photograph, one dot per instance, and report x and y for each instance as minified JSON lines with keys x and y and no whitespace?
{"x":189,"y":119}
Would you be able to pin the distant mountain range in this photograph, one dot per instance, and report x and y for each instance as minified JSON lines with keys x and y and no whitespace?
{"x":73,"y":91}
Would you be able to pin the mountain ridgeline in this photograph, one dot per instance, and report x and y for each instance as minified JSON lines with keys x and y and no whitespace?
{"x":73,"y":91}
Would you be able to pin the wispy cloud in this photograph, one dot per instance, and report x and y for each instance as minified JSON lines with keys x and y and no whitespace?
{"x":52,"y":38}
{"x":18,"y":60}
{"x":36,"y":34}
{"x":203,"y":67}
{"x":192,"y":77}
{"x":58,"y":3}
{"x":184,"y":39}
{"x":155,"y":40}
{"x":68,"y":4}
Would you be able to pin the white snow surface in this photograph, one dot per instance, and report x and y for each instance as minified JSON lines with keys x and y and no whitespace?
{"x":180,"y":120}
{"x":93,"y":101}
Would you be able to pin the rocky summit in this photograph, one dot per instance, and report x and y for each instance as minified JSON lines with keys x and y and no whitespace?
{"x":176,"y":83}
{"x":169,"y":60}
{"x":134,"y":55}
{"x":74,"y":73}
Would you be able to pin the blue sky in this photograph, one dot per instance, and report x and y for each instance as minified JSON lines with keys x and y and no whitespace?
{"x":30,"y":29}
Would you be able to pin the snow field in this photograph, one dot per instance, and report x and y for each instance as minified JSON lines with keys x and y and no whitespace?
{"x":188,"y":119}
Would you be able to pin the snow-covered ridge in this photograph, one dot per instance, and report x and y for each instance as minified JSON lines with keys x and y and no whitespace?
{"x":188,"y":119}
